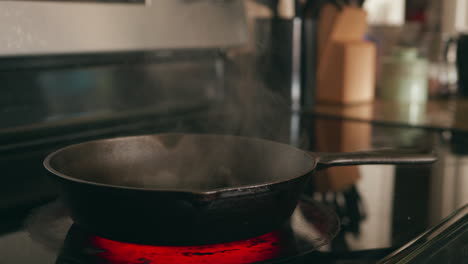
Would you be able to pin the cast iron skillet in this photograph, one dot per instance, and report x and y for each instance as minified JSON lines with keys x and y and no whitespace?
{"x":187,"y":188}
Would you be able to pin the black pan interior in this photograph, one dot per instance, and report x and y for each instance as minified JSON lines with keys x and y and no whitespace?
{"x":181,"y":162}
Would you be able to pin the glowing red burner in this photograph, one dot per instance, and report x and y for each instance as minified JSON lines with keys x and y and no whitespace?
{"x":265,"y":247}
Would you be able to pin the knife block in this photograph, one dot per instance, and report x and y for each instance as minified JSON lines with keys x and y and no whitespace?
{"x":347,"y":63}
{"x":349,"y":73}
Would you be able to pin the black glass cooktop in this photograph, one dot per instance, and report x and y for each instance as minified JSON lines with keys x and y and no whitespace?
{"x":49,"y":235}
{"x":380,"y":208}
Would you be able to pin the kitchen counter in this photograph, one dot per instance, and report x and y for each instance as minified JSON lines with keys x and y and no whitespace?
{"x":435,"y":114}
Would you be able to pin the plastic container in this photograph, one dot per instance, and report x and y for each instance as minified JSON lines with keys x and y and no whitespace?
{"x":404,"y":77}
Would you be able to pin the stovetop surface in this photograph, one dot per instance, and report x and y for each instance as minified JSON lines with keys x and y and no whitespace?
{"x":380,"y":208}
{"x":49,"y":232}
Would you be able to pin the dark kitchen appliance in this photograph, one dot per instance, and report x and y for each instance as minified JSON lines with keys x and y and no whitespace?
{"x":78,"y":70}
{"x":460,"y":44}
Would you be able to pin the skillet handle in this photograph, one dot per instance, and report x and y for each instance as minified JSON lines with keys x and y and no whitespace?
{"x":382,"y":156}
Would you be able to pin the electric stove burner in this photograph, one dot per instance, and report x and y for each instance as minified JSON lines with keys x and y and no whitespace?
{"x":311,"y":226}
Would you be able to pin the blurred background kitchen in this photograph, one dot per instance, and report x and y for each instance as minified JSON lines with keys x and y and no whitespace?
{"x":320,"y":75}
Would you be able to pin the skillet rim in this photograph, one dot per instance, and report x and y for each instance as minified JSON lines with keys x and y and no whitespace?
{"x":218,"y":192}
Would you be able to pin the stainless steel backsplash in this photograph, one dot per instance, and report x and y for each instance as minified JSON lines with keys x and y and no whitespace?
{"x":64,"y":27}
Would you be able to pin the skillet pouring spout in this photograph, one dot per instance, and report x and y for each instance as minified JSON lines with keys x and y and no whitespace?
{"x":382,"y":156}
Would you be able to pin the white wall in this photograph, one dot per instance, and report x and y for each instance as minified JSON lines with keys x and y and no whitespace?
{"x":386,"y":12}
{"x":454,"y":16}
